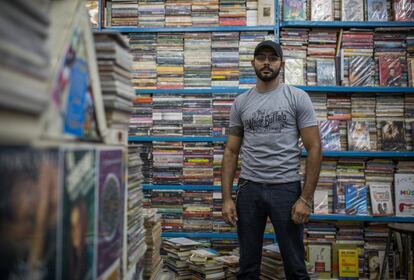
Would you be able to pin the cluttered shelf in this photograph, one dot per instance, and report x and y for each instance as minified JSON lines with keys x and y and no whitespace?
{"x":187,"y":29}
{"x":346,"y":24}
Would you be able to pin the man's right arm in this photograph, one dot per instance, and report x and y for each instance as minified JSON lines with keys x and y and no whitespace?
{"x":229,"y":165}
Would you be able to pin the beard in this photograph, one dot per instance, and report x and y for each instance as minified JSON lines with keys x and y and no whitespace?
{"x":267,"y":78}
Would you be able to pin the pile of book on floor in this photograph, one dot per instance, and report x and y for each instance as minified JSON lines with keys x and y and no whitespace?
{"x":231,"y":265}
{"x":203,"y":265}
{"x":114,"y":64}
{"x":177,"y":251}
{"x":272,"y":264}
{"x":153,"y":261}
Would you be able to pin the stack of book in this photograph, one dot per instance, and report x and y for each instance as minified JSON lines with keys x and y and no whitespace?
{"x":123,"y":12}
{"x":232,"y":12}
{"x":231,"y":266}
{"x":408,"y":121}
{"x":140,"y":121}
{"x":197,"y":60}
{"x":169,"y":204}
{"x":321,"y":69}
{"x":178,"y":251}
{"x":219,"y":225}
{"x":225,"y":59}
{"x":272,"y":264}
{"x":198,"y":163}
{"x":177,"y":13}
{"x":319,"y":101}
{"x":320,"y":232}
{"x":339,"y":108}
{"x":390,"y":122}
{"x":203,"y":265}
{"x":147,"y":164}
{"x":247,"y":44}
{"x":197,"y":115}
{"x":167,"y":115}
{"x":222,"y":103}
{"x":167,"y":163}
{"x":205,"y":13}
{"x":114,"y":64}
{"x":151,"y":13}
{"x":170,"y":60}
{"x":153,"y":261}
{"x":251,"y":12}
{"x":323,"y":197}
{"x":144,"y":66}
{"x":136,"y":246}
{"x":375,"y":235}
{"x":363,"y":109}
{"x":197,"y":211}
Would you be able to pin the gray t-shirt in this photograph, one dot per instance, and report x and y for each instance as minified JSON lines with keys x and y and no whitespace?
{"x":271,"y":123}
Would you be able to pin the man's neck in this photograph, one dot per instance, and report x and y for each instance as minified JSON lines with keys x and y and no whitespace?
{"x":262,"y":86}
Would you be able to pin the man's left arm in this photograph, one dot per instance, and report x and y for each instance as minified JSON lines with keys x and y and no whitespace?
{"x":311,"y":140}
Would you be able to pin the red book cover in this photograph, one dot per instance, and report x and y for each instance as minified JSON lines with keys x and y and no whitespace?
{"x":390,"y":71}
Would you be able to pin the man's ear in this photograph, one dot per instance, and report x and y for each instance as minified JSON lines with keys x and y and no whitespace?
{"x":252,"y":62}
{"x":282,"y":64}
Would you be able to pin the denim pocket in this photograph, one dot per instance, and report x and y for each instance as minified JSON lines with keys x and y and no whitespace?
{"x":240,"y":185}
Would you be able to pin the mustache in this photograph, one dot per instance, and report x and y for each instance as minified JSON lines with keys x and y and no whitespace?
{"x":266,"y":68}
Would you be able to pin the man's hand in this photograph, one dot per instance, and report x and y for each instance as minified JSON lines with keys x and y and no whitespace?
{"x":229,"y":212}
{"x":300,"y":212}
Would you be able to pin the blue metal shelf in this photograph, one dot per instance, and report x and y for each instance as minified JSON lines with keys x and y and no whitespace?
{"x":176,"y":139}
{"x":335,"y":217}
{"x":188,"y":29}
{"x":345,"y":24}
{"x":208,"y":235}
{"x":306,"y":88}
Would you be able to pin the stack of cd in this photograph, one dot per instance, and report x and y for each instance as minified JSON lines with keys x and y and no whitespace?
{"x":339,"y":108}
{"x":167,"y":115}
{"x":151,"y":13}
{"x":232,"y":12}
{"x":124,"y":12}
{"x":363,"y":109}
{"x":205,"y":13}
{"x":197,"y":211}
{"x":170,"y":60}
{"x":222,"y":103}
{"x":319,"y":101}
{"x":167,"y":163}
{"x":197,"y":115}
{"x":197,"y":60}
{"x":225,"y":59}
{"x":140,"y":122}
{"x":251,"y":12}
{"x":198,"y":163}
{"x":169,"y":203}
{"x":177,"y":13}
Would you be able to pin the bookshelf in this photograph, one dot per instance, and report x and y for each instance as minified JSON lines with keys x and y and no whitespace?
{"x":346,"y":24}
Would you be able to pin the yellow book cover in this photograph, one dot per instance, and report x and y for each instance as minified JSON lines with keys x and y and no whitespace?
{"x":348,"y":263}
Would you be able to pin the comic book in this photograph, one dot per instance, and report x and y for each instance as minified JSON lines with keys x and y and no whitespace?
{"x":294,"y":10}
{"x":294,"y":71}
{"x":330,"y":135}
{"x":361,"y":71}
{"x":377,"y":10}
{"x":393,"y":138}
{"x":381,"y":199}
{"x":358,"y":136}
{"x":390,"y":71}
{"x":322,"y":10}
{"x":356,"y":199}
{"x":325,"y":73}
{"x":352,"y":10}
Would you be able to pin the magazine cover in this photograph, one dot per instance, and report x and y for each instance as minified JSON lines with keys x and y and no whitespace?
{"x":339,"y":198}
{"x":110,"y":211}
{"x":358,"y":136}
{"x":393,"y":138}
{"x":294,"y":10}
{"x":404,"y":195}
{"x":381,"y":199}
{"x":330,"y":135}
{"x":361,"y":71}
{"x":77,"y":253}
{"x":325,"y":73}
{"x":352,"y":10}
{"x":356,"y":199}
{"x":321,"y":202}
{"x":404,"y":10}
{"x":390,"y":71}
{"x":294,"y":71}
{"x":29,"y":207}
{"x":322,"y":10}
{"x":377,"y":10}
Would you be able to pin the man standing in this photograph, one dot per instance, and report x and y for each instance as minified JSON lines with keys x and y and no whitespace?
{"x":265,"y":124}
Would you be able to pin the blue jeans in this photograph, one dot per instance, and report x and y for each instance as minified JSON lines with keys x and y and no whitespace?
{"x":254,"y":203}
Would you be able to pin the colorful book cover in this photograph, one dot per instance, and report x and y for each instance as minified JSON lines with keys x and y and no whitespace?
{"x":393,"y":138}
{"x":294,"y":71}
{"x":325,"y":73}
{"x":294,"y":10}
{"x":29,"y":207}
{"x":322,"y":10}
{"x":352,"y":10}
{"x":339,"y":198}
{"x":404,"y":195}
{"x":404,"y":10}
{"x":361,"y":71}
{"x":319,"y":257}
{"x":110,"y":211}
{"x":77,"y":256}
{"x":377,"y":10}
{"x":358,"y":136}
{"x":330,"y":135}
{"x":390,"y":71}
{"x":348,"y":263}
{"x":356,"y":200}
{"x":381,"y":199}
{"x":321,"y":202}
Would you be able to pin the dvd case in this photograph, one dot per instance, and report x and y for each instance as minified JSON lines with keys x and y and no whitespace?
{"x":377,"y":10}
{"x":330,"y":135}
{"x":361,"y":71}
{"x":356,"y":202}
{"x":404,"y":10}
{"x":393,"y":138}
{"x":294,"y":10}
{"x":381,"y":199}
{"x":325,"y":73}
{"x":322,"y":10}
{"x":352,"y":10}
{"x":358,"y":136}
{"x":390,"y":71}
{"x":294,"y":71}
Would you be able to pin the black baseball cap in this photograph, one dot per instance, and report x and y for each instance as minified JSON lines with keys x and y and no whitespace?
{"x":271,"y":45}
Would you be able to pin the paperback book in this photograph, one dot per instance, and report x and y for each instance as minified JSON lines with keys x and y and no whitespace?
{"x":381,"y":199}
{"x":404,"y":195}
